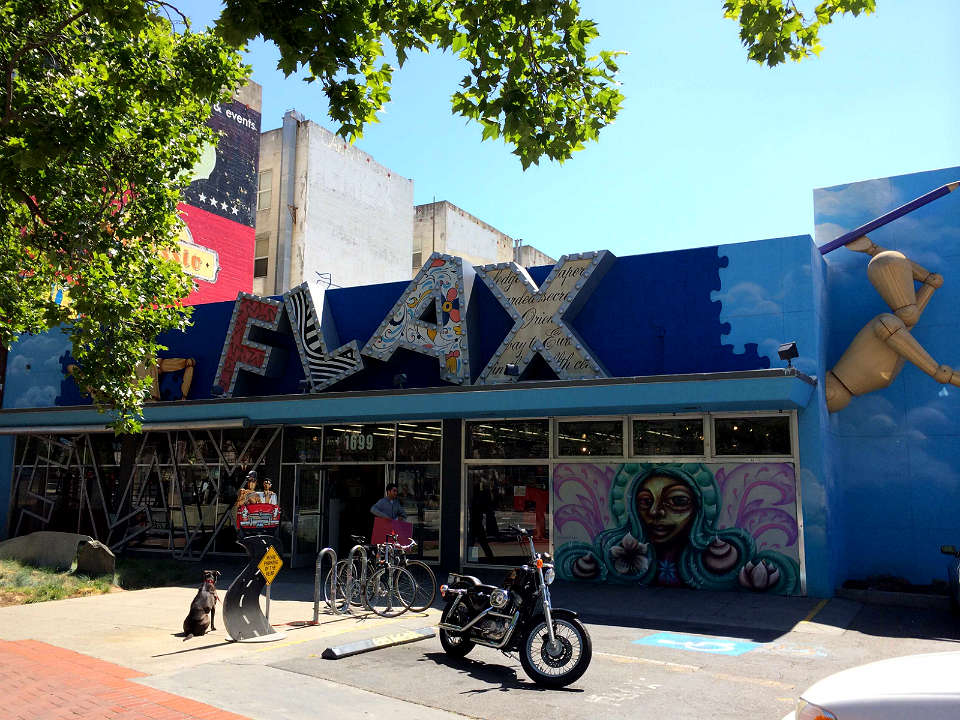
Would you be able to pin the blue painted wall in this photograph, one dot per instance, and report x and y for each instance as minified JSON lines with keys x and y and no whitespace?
{"x":896,"y":451}
{"x":665,"y":313}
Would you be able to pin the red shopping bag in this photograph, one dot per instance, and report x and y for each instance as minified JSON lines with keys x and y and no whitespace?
{"x":382,"y":526}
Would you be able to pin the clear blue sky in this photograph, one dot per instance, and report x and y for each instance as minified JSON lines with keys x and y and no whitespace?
{"x":709,"y":148}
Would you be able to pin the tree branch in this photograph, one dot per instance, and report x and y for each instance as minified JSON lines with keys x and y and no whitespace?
{"x":14,"y":59}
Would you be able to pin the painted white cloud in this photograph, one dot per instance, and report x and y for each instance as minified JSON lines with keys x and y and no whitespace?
{"x":746,"y":298}
{"x":876,"y":196}
{"x":825,"y":232}
{"x":37,"y":396}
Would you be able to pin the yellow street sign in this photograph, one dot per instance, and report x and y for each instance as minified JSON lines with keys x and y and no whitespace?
{"x":270,"y":565}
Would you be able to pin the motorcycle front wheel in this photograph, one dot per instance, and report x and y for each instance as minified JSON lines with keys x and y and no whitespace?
{"x":562,"y":664}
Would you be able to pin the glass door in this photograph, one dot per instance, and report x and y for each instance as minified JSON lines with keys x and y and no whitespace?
{"x":350,"y":491}
{"x":309,"y":482}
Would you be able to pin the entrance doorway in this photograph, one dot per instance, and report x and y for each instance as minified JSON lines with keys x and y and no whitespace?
{"x":350,"y":491}
{"x":332,"y":503}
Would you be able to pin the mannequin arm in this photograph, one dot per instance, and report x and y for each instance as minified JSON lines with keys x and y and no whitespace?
{"x":865,"y":245}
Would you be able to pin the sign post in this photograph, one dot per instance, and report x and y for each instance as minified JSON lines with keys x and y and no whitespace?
{"x":269,"y":566}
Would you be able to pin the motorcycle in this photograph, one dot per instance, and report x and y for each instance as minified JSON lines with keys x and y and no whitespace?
{"x":554,"y":646}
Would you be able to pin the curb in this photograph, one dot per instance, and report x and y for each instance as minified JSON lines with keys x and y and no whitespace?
{"x":377,"y":643}
{"x":886,"y":597}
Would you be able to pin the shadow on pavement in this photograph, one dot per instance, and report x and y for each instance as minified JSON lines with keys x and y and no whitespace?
{"x":500,"y":678}
{"x":907,"y":622}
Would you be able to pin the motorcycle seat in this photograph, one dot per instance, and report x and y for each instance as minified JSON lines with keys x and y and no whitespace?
{"x":477,"y":585}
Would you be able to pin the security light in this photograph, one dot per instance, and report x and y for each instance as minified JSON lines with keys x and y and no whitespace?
{"x":787,"y":352}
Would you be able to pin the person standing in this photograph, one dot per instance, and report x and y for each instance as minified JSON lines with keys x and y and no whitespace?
{"x":389,"y":505}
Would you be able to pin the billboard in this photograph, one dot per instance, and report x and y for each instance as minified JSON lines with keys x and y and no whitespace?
{"x":219,"y":208}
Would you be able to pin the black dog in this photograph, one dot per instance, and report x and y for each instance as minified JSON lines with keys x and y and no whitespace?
{"x":203,"y":609}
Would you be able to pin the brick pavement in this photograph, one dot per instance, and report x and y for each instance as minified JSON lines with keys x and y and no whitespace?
{"x":39,"y":681}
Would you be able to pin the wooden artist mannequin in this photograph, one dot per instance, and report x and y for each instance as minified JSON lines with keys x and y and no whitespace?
{"x":877,"y":353}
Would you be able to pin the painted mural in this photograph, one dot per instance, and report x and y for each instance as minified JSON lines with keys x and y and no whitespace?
{"x":903,"y":437}
{"x":450,"y":329}
{"x":711,"y":526}
{"x":429,"y":318}
{"x":219,"y":208}
{"x":877,"y":353}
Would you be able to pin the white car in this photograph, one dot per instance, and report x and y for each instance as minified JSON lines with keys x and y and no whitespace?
{"x":922,"y":687}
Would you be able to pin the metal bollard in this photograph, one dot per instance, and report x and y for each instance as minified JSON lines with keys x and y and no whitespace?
{"x":332,"y":601}
{"x":363,"y":572}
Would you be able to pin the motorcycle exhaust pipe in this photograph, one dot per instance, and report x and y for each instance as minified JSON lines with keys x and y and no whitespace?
{"x":457,"y":629}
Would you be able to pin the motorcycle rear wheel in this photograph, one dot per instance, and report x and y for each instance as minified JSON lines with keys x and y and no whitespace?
{"x":567,"y":663}
{"x":453,"y":644}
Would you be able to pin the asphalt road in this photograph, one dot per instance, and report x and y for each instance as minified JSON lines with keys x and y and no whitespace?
{"x":656,"y":671}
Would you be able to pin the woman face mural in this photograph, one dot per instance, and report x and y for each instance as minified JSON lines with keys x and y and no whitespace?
{"x":665,"y":532}
{"x":666,"y":507}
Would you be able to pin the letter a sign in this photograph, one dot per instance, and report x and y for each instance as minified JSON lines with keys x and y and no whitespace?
{"x":430,"y":318}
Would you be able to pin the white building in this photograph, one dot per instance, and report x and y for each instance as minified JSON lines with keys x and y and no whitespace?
{"x":327,"y":212}
{"x":443,"y":227}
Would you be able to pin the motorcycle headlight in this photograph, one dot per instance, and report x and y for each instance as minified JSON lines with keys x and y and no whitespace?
{"x":549,"y":574}
{"x":499,"y":598}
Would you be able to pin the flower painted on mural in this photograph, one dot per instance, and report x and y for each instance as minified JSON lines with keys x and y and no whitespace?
{"x":451,"y":306}
{"x":667,"y":573}
{"x":630,"y":556}
{"x":761,"y":575}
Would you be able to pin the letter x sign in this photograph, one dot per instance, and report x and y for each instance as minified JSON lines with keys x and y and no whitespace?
{"x":542,"y":316}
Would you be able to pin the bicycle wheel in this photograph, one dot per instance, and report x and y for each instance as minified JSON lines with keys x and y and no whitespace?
{"x":426,"y":585}
{"x":390,"y":591}
{"x":340,"y":594}
{"x":356,"y":597}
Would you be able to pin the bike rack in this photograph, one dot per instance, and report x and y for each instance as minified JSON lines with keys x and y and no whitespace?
{"x":363,"y":572}
{"x":351,"y":580}
{"x":332,"y":601}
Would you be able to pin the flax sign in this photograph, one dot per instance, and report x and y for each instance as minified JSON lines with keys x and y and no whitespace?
{"x":270,"y":565}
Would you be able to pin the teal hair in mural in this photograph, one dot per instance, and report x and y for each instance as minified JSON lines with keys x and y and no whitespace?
{"x":665,"y":532}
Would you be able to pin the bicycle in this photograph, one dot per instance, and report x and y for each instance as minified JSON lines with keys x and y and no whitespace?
{"x":390,"y":588}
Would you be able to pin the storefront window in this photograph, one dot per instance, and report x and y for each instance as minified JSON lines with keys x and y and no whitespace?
{"x":358,"y":443}
{"x":155,"y":448}
{"x":106,"y":448}
{"x":752,"y":435}
{"x":669,"y":437}
{"x":577,"y":438}
{"x":302,"y":444}
{"x":245,"y":447}
{"x":418,"y":442}
{"x":419,"y":493}
{"x":206,"y":443}
{"x":509,"y":439}
{"x":501,"y":496}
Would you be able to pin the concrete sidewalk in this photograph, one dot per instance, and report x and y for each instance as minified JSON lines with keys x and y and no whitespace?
{"x":97,"y":656}
{"x":124,"y":643}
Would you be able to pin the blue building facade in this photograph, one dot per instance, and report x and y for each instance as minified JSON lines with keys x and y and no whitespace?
{"x":634,"y":412}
